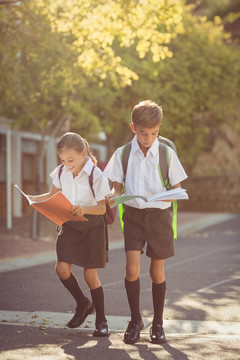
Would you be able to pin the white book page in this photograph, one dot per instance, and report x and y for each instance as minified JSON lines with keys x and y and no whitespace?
{"x":28,"y":199}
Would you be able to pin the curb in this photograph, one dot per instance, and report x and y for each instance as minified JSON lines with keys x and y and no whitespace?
{"x":118,"y":324}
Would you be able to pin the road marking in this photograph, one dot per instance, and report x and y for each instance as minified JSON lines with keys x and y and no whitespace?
{"x":182,"y":262}
{"x":217,"y":283}
{"x":44,"y":258}
{"x":116,"y":323}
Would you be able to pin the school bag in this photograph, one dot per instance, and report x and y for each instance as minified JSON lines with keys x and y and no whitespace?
{"x":110,"y":213}
{"x":164,"y":143}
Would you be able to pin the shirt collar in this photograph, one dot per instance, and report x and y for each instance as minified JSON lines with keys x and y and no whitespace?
{"x":135,"y":146}
{"x":153,"y":149}
{"x":88,"y":167}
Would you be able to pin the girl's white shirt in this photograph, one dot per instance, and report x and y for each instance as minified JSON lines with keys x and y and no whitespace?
{"x":78,"y":190}
{"x":142,"y":174}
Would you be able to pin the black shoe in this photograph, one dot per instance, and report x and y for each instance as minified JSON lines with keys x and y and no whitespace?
{"x":132,"y":334}
{"x":157,"y":334}
{"x":81,"y":314}
{"x":101,"y":329}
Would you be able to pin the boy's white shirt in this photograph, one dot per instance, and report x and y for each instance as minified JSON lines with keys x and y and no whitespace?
{"x":78,"y":190}
{"x":142,"y":174}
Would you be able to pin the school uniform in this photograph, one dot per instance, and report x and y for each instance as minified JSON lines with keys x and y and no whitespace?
{"x":151,"y":222}
{"x":83,"y":243}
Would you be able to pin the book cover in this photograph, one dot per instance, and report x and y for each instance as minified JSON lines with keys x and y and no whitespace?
{"x":56,"y":208}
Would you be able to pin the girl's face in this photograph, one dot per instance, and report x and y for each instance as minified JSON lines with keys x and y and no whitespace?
{"x":72,"y":159}
{"x":145,"y":136}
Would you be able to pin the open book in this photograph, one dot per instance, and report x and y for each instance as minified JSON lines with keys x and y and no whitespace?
{"x":56,"y":208}
{"x":174,"y":194}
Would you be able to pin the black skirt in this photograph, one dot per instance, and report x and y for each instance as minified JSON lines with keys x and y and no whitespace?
{"x":84,"y":243}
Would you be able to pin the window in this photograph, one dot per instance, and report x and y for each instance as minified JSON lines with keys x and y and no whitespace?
{"x":28,"y":168}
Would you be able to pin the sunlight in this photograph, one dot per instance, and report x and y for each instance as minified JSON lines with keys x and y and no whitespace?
{"x":88,"y":345}
{"x":212,"y":308}
{"x":43,"y":352}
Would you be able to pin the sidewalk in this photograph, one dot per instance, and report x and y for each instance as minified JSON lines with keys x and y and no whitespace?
{"x":17,"y":242}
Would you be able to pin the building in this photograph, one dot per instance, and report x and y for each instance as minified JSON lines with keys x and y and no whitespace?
{"x":19,"y":154}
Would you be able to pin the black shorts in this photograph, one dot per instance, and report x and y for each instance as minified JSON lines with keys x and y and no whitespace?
{"x":83,"y":243}
{"x":151,"y":225}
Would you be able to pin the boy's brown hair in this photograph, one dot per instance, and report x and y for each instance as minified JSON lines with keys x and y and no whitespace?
{"x":147,"y":113}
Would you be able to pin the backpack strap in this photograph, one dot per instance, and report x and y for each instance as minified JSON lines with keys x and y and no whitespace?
{"x":167,"y":142}
{"x":124,"y":157}
{"x":163,"y":165}
{"x":60,"y":171}
{"x":90,"y":179}
{"x":125,"y":152}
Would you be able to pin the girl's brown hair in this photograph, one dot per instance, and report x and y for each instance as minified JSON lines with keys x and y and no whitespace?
{"x":74,"y":141}
{"x":147,"y":113}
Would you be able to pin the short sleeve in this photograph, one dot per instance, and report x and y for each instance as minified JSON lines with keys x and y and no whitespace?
{"x":55,"y":177}
{"x":100,"y":185}
{"x":176,"y":170}
{"x":113,"y":169}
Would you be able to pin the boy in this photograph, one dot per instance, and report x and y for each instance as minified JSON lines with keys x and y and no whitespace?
{"x":145,"y":222}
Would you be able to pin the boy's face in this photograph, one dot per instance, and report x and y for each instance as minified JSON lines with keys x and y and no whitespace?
{"x":145,"y":136}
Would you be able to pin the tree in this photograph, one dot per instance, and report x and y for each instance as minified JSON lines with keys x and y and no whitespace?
{"x":198,"y":87}
{"x":212,"y":8}
{"x":55,"y":51}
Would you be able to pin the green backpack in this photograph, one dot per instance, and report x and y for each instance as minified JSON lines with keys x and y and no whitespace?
{"x":162,"y":169}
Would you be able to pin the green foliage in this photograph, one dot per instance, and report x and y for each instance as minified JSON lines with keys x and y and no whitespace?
{"x":41,"y":64}
{"x":204,"y":88}
{"x":198,"y":86}
{"x":212,"y":8}
{"x":86,"y":64}
{"x":59,"y":55}
{"x":95,"y":25}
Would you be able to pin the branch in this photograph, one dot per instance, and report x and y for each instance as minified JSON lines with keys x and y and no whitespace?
{"x":28,"y":112}
{"x":61,"y":121}
{"x":8,"y":2}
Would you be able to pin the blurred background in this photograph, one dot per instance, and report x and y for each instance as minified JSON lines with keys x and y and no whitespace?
{"x":82,"y":65}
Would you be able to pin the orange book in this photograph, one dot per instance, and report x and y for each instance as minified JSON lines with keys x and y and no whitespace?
{"x":56,"y":208}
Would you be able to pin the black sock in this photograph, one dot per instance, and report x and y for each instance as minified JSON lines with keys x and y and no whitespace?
{"x":133,"y":294}
{"x":98,"y":301}
{"x":158,"y":295}
{"x":73,"y":287}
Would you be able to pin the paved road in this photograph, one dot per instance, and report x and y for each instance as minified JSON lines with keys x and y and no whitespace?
{"x":202,"y":313}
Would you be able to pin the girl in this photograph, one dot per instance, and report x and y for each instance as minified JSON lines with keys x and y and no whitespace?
{"x":81,"y":243}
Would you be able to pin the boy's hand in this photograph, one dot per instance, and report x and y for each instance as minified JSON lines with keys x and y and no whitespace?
{"x":77,"y":210}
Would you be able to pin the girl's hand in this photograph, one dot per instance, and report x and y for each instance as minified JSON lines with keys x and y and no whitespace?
{"x":109,"y":201}
{"x":110,"y":196}
{"x":77,"y":210}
